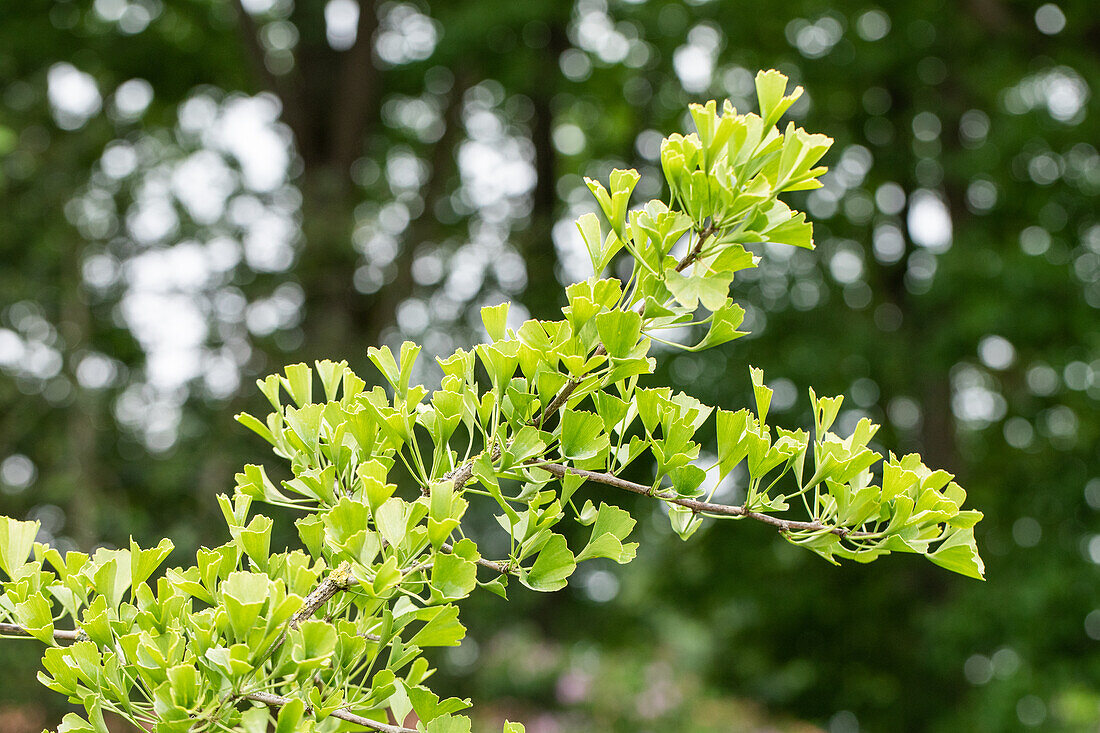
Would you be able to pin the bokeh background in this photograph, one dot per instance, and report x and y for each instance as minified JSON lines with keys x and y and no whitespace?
{"x":196,"y":192}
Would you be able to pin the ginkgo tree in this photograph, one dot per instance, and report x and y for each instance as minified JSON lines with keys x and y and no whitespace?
{"x":536,"y":426}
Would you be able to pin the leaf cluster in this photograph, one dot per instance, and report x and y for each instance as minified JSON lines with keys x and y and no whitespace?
{"x":336,"y":632}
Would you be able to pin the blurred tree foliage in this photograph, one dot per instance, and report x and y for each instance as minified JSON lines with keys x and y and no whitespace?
{"x":195,"y":192}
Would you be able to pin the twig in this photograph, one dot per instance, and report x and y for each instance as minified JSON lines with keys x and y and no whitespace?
{"x":564,"y":393}
{"x":277,"y":701}
{"x":783,"y":525}
{"x":338,"y":580}
{"x":462,"y":475}
{"x":58,"y":634}
{"x":501,"y":567}
{"x":694,"y":253}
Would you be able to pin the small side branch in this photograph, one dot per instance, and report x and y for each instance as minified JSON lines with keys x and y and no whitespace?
{"x":571,"y":386}
{"x":703,"y":507}
{"x":461,"y":475}
{"x":564,"y":394}
{"x":498,"y":567}
{"x":338,"y":580}
{"x":58,"y":634}
{"x":277,"y":701}
{"x":693,"y":254}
